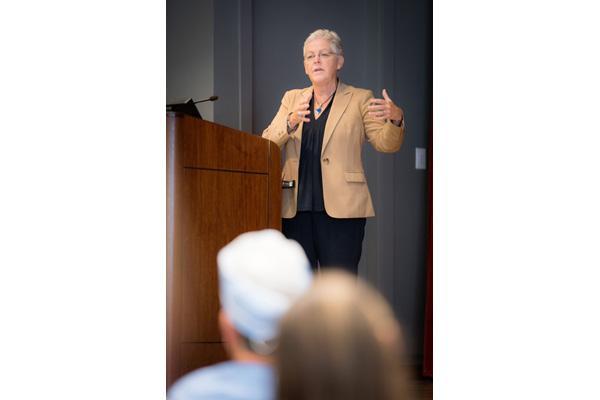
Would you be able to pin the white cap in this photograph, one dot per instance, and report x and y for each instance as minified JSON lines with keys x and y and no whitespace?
{"x":261,"y":274}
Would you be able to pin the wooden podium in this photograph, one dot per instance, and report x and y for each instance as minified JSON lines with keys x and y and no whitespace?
{"x":220,"y":183}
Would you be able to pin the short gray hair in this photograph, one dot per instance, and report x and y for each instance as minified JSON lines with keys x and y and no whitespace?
{"x":331,"y":36}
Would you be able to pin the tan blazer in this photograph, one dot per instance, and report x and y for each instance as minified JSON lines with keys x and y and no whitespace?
{"x":345,"y":190}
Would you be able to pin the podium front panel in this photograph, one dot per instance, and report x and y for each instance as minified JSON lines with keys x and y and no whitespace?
{"x":220,"y":183}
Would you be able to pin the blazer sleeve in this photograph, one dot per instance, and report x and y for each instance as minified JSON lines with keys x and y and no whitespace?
{"x":383,"y":136}
{"x":277,"y":130}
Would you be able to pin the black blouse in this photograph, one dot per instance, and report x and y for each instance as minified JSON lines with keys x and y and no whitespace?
{"x":310,"y":180}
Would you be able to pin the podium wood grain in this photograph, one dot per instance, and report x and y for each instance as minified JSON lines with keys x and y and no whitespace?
{"x":220,"y":183}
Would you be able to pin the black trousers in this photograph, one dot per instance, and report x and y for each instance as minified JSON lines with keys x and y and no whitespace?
{"x":327,"y":241}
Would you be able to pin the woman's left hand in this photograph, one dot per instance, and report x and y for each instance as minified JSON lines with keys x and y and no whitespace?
{"x":384,"y":109}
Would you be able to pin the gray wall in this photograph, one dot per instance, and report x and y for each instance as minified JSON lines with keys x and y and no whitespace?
{"x":190,"y":41}
{"x":258,"y":56}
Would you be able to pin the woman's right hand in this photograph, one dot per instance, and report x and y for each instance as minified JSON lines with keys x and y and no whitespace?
{"x":301,"y":112}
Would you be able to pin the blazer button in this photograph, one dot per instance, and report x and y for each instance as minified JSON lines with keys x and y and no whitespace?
{"x":326,"y":160}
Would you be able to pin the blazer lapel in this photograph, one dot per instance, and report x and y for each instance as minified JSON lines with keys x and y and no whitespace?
{"x":340,"y":103}
{"x":298,"y":134}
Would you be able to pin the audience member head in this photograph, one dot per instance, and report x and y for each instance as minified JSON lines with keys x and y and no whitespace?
{"x":340,"y":341}
{"x":261,"y":274}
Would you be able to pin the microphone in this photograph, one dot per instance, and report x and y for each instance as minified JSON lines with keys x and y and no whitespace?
{"x":189,"y":107}
{"x":211,"y":98}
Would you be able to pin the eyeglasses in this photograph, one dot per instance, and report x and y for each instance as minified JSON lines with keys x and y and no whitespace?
{"x":323,"y":56}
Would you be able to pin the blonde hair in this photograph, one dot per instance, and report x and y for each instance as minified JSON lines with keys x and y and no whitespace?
{"x":332,"y":37}
{"x":340,"y":341}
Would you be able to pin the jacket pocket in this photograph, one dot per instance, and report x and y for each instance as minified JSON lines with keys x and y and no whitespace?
{"x":289,"y":170}
{"x":355,"y":177}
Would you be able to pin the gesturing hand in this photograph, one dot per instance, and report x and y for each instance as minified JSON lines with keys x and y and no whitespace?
{"x":300,"y":113}
{"x":384,"y":109}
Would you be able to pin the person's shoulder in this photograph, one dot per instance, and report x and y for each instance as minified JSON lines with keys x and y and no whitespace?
{"x":359,"y":93}
{"x":292,"y":96}
{"x":227,"y":380}
{"x":362,"y":92}
{"x":293,"y":93}
{"x":196,"y":384}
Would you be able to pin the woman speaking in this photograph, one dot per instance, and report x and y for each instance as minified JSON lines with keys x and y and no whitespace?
{"x":320,"y":131}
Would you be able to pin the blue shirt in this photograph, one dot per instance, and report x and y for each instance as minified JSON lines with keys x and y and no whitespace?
{"x":229,"y":380}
